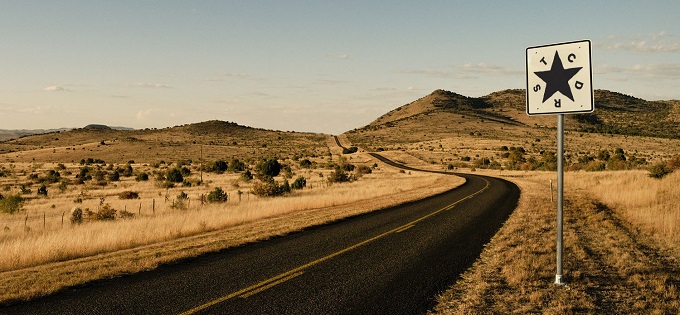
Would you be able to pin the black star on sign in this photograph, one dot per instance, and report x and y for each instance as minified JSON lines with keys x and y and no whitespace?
{"x":557,"y":79}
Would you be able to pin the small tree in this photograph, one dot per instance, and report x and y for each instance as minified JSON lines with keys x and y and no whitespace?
{"x":269,"y":167}
{"x":106,"y":213}
{"x":174,"y":175}
{"x":659,"y":170}
{"x":217,"y":195}
{"x":42,"y":190}
{"x":76,"y":215}
{"x":11,"y":203}
{"x":338,"y":176}
{"x":299,"y":183}
{"x":142,"y":177}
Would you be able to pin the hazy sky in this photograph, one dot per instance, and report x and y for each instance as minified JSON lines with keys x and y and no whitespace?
{"x":320,"y":66}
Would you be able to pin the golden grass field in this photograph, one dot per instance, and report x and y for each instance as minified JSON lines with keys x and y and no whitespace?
{"x":44,"y":255}
{"x":621,"y":254}
{"x":621,"y":227}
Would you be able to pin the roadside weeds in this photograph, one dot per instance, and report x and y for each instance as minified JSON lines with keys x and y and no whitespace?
{"x":608,"y":266}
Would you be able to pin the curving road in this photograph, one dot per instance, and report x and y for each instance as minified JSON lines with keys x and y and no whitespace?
{"x":393,"y":261}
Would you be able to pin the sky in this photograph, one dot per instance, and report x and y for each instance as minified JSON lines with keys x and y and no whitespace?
{"x":312,"y":66}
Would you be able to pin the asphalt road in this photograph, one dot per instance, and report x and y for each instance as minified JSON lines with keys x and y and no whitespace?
{"x":393,"y":261}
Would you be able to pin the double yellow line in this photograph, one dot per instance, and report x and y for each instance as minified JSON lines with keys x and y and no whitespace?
{"x":293,"y":273}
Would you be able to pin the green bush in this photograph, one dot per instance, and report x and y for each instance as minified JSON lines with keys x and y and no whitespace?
{"x":128,"y":195}
{"x":76,"y":216}
{"x":268,"y":187}
{"x":247,"y":176}
{"x":306,"y":163}
{"x":269,"y":167}
{"x":42,"y":190}
{"x":338,"y":176}
{"x":364,"y":169}
{"x":299,"y":183}
{"x":11,"y":203}
{"x":217,"y":195}
{"x":237,"y":166}
{"x":106,"y":213}
{"x":142,"y":177}
{"x":350,"y":150}
{"x":174,"y":175}
{"x":659,"y":170}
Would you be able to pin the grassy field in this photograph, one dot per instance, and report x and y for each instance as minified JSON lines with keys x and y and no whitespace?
{"x":614,"y":262}
{"x":41,"y":254}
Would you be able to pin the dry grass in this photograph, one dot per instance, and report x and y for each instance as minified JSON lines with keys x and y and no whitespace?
{"x":608,"y":266}
{"x":649,"y":204}
{"x":70,"y":255}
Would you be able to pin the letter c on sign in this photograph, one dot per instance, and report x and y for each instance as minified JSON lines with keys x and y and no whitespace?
{"x":571,"y":57}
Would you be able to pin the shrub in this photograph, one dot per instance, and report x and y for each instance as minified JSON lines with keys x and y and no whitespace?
{"x":76,"y":215}
{"x":267,"y":187}
{"x":52,"y":177}
{"x":174,"y":175}
{"x":126,"y":214}
{"x":659,"y":170}
{"x":364,"y":169}
{"x":128,"y":195}
{"x":114,"y":176}
{"x":11,"y":203}
{"x":306,"y":163}
{"x":299,"y":183}
{"x":42,"y":190}
{"x":182,"y":200}
{"x":106,"y":213}
{"x":247,"y":176}
{"x":269,"y":167}
{"x":218,"y":167}
{"x":217,"y":195}
{"x":142,"y":177}
{"x":127,"y":170}
{"x":237,"y":166}
{"x":350,"y":150}
{"x":338,"y":176}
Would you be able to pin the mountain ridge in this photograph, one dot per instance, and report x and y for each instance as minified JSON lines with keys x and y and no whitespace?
{"x":615,"y":113}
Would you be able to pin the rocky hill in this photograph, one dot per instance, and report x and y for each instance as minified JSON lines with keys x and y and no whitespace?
{"x":615,"y":113}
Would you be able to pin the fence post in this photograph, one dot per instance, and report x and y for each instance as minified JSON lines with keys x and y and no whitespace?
{"x":44,"y":220}
{"x":62,"y":218}
{"x":153,"y":206}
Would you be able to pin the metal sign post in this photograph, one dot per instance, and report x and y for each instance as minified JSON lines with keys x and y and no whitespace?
{"x":560,"y":195}
{"x":559,"y":81}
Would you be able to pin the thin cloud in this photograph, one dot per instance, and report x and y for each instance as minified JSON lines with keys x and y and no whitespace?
{"x":330,"y":81}
{"x":144,"y":114}
{"x":466,"y":71}
{"x":485,"y":68}
{"x":650,"y":71}
{"x":56,"y":88}
{"x":660,"y":42}
{"x":149,"y":85}
{"x":339,"y":56}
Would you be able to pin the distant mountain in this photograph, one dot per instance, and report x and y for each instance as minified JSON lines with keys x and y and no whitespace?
{"x":615,"y":113}
{"x":211,"y":139}
{"x":7,"y":134}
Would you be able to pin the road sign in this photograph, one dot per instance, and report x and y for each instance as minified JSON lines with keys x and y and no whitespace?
{"x":559,"y":79}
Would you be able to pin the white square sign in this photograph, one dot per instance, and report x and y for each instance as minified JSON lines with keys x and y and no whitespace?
{"x":559,"y":79}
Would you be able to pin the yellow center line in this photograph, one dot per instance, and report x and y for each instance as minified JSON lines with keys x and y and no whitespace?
{"x":405,"y":228}
{"x":260,"y":289}
{"x":266,"y":284}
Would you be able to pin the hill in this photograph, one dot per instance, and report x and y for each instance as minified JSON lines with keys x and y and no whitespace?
{"x":444,"y":127}
{"x":615,"y":113}
{"x":216,"y":140}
